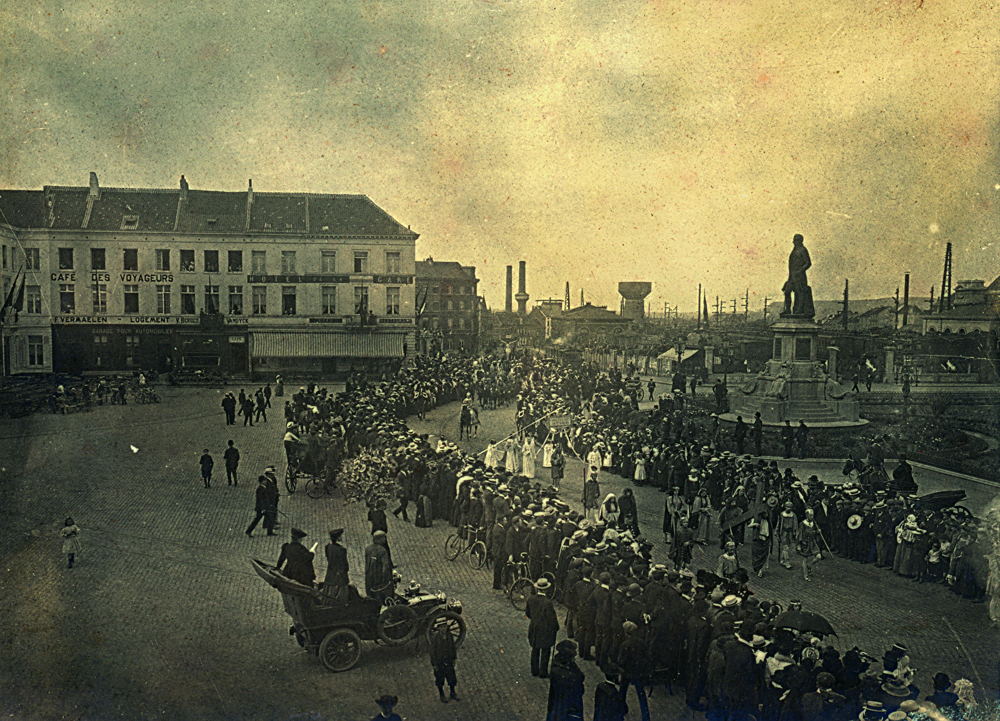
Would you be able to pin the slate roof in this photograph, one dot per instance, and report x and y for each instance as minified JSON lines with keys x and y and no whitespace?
{"x":443,"y":270}
{"x":201,"y":211}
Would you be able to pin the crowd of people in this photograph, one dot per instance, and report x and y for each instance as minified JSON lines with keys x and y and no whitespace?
{"x":647,"y":623}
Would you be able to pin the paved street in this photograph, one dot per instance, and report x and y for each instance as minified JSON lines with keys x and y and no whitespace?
{"x":163,"y":618}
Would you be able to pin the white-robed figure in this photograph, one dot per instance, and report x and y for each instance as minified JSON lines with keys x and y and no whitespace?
{"x":493,"y":455}
{"x":547,"y":449}
{"x":610,"y":510}
{"x":528,"y":451}
{"x":512,"y":463}
{"x":594,"y":457}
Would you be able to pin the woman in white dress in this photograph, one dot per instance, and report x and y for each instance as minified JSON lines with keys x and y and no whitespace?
{"x":492,"y":459}
{"x":512,"y":464}
{"x":547,"y":452}
{"x":528,"y":451}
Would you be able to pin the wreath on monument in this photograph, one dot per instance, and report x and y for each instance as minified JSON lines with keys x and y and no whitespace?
{"x":749,"y":388}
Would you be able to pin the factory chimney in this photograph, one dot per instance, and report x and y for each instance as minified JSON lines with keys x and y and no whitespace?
{"x":522,"y":294}
{"x":508,"y":305}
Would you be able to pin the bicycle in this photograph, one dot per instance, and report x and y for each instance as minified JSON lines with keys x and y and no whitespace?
{"x":317,"y":487}
{"x":519,"y":583}
{"x":455,"y":546}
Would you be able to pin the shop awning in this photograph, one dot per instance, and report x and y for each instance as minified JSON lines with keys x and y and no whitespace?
{"x":276,"y":344}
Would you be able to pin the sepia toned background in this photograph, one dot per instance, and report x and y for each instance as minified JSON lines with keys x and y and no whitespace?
{"x":672,"y":141}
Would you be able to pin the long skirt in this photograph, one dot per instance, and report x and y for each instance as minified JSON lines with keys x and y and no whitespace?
{"x":759,"y":551}
{"x":547,"y":455}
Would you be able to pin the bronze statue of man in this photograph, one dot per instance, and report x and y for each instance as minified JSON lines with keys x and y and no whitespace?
{"x":797,"y":285}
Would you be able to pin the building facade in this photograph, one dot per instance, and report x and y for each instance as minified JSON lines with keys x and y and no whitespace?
{"x":449,"y":306}
{"x":242,"y":282}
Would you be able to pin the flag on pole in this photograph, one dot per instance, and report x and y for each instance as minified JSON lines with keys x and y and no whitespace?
{"x":12,"y":294}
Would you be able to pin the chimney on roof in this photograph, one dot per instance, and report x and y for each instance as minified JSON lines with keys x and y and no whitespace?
{"x":508,"y":304}
{"x":184,"y":188}
{"x":95,"y":189}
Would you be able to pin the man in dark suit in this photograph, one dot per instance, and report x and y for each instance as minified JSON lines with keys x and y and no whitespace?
{"x":266,"y":507}
{"x":443,"y":657}
{"x":336,"y":580}
{"x":296,"y":561}
{"x":232,"y":458}
{"x":543,"y":628}
{"x":229,"y":406}
{"x":758,"y":434}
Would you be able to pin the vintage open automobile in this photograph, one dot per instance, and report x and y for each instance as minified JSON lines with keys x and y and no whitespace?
{"x":334,"y":628}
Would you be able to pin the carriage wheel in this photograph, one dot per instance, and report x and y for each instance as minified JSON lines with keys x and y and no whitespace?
{"x":455,"y":623}
{"x":340,"y":649}
{"x":519,"y":592}
{"x":290,"y":480}
{"x":477,"y":554}
{"x":315,"y":488}
{"x":396,"y":624}
{"x":453,"y":546}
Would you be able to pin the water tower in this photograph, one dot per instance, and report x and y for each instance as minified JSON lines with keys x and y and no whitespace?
{"x":633,"y":295}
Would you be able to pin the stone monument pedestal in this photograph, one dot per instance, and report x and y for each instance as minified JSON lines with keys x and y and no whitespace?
{"x":793,"y":385}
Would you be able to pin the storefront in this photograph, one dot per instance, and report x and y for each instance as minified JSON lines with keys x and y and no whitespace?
{"x":326,"y":353}
{"x":162,"y":343}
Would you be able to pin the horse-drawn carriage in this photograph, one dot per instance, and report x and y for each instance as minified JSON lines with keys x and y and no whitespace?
{"x":309,"y":460}
{"x":333,"y":628}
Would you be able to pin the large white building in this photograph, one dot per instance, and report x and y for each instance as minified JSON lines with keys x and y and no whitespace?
{"x":122,"y":278}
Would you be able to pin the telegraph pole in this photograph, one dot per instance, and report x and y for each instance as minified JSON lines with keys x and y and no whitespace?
{"x":746,"y":305}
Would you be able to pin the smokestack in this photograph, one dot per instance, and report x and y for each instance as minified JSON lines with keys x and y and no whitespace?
{"x":95,"y":189}
{"x":184,"y":188}
{"x":567,"y":296}
{"x":522,"y":294}
{"x":906,"y":299}
{"x":508,"y":304}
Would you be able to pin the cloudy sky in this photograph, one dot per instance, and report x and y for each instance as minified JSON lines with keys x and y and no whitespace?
{"x":676,"y":141}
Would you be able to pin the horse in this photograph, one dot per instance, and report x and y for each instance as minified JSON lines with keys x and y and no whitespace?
{"x":467,"y":422}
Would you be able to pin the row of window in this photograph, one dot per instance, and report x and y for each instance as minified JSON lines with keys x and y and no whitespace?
{"x":436,"y":323}
{"x":211,"y":260}
{"x":447,"y":289}
{"x":212,"y":299}
{"x":435,"y":305}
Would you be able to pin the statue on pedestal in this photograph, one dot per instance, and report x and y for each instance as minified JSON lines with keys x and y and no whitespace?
{"x":798,"y":294}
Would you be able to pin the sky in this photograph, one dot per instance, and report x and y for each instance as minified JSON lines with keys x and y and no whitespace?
{"x":674,"y":141}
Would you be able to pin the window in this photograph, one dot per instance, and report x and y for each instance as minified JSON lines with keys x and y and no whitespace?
{"x":187,"y":261}
{"x":461,"y":323}
{"x":360,"y":299}
{"x":329,"y":300}
{"x":258,"y":261}
{"x":162,"y":259}
{"x":36,"y":350}
{"x":131,"y":293}
{"x":211,"y":261}
{"x":211,"y":299}
{"x":288,"y":262}
{"x":67,"y":298}
{"x":393,"y":262}
{"x":449,"y":305}
{"x":100,"y":349}
{"x":236,"y":300}
{"x":392,"y":301}
{"x":130,"y":259}
{"x":131,"y":346}
{"x":451,"y":322}
{"x":259,"y":295}
{"x":163,"y":299}
{"x":100,"y":292}
{"x":65,"y":259}
{"x":328,"y":261}
{"x":98,"y":259}
{"x":236,"y":261}
{"x":130,"y":222}
{"x":361,"y":261}
{"x":287,"y":299}
{"x":31,"y":259}
{"x":33,"y":299}
{"x":187,"y":299}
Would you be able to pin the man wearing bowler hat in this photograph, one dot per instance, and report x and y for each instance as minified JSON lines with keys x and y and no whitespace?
{"x":296,"y":561}
{"x":542,"y":629}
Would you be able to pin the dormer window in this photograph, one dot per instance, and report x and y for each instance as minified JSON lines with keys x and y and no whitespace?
{"x":267,"y":226}
{"x":130,"y":222}
{"x":212,"y":221}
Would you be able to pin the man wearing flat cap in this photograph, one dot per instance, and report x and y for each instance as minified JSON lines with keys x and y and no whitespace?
{"x":296,"y":561}
{"x":335,"y":583}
